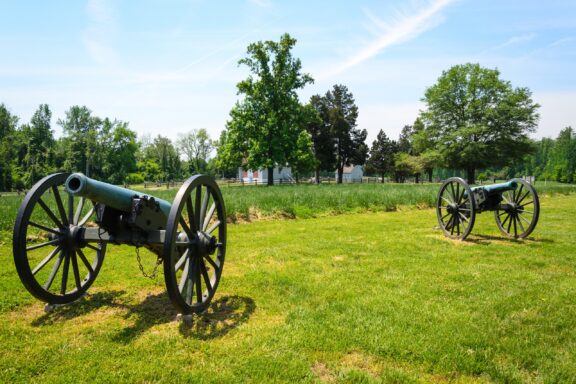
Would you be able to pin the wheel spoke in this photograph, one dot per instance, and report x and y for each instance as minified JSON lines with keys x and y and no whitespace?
{"x":511,"y":217}
{"x":184,"y":276}
{"x":523,"y":197}
{"x":520,"y":223}
{"x":523,"y":218}
{"x":32,"y":247}
{"x":50,"y":214}
{"x":515,"y":229}
{"x":449,"y":202}
{"x":65,"y":272}
{"x":60,"y":205}
{"x":209,"y":216}
{"x":44,"y":228}
{"x":85,"y":261}
{"x":205,"y":276}
{"x":86,"y":217}
{"x":445,"y":216}
{"x":79,"y":210}
{"x":76,"y":270}
{"x":463,"y":217}
{"x":70,"y":209}
{"x":197,"y":206}
{"x":93,"y":247}
{"x":213,"y":227}
{"x":212,"y":263}
{"x":193,"y":225}
{"x":54,"y":270}
{"x":453,"y":193}
{"x":198,"y":282}
{"x":525,"y":204}
{"x":182,"y":260}
{"x":186,"y":228}
{"x":459,"y":196}
{"x":47,"y":259}
{"x":203,"y":208}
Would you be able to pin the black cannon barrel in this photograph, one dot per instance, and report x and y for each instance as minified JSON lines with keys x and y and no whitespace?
{"x":110,"y":195}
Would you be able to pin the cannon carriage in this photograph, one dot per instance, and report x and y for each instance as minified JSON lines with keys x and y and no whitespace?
{"x":515,"y":205}
{"x":66,"y":221}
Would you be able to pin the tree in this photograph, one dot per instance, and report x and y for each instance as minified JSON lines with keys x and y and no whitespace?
{"x":38,"y":142}
{"x":121,"y":154}
{"x":82,"y":130}
{"x":302,"y":159}
{"x":339,"y":113}
{"x":476,"y":120}
{"x":382,"y":154}
{"x":407,"y":165}
{"x":322,"y":141}
{"x":8,"y":123}
{"x":163,"y":153}
{"x":265,"y":125}
{"x":196,"y":146}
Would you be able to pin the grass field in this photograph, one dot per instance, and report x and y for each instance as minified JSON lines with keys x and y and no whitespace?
{"x":249,"y":203}
{"x":360,"y":297}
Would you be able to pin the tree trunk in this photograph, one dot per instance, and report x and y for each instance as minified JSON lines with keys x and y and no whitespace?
{"x":317,"y":175}
{"x":417,"y":177}
{"x":340,"y":174}
{"x":382,"y":177}
{"x":270,"y":176}
{"x":430,"y":171}
{"x":470,"y":175}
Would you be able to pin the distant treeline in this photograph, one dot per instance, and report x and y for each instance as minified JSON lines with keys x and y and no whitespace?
{"x":109,"y":150}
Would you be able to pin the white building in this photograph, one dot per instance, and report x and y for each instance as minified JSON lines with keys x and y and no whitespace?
{"x":260,"y":176}
{"x":351,"y":174}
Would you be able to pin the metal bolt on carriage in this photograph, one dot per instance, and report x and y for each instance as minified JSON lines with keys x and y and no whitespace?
{"x":66,"y":221}
{"x":515,"y":205}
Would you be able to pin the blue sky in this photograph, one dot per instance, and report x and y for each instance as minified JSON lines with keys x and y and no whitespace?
{"x":170,"y":66}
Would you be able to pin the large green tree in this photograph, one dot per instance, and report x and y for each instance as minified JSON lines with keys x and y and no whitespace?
{"x":339,"y":112}
{"x":477,"y":120}
{"x":265,"y":125}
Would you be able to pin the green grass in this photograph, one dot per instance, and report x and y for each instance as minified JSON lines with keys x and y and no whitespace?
{"x":362,"y":297}
{"x":249,"y":203}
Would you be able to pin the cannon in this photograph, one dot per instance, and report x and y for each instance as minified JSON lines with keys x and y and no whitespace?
{"x":515,"y":204}
{"x":66,"y":221}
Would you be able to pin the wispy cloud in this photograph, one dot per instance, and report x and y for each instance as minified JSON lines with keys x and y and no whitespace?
{"x":403,"y":28}
{"x":516,"y":40}
{"x":563,"y":41}
{"x":98,"y":35}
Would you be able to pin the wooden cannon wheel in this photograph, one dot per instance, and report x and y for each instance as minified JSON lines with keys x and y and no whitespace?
{"x":195,"y":244}
{"x":455,"y":208}
{"x":522,"y":209}
{"x":52,"y":265}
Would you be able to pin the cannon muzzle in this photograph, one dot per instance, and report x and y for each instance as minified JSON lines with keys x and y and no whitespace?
{"x":110,"y":195}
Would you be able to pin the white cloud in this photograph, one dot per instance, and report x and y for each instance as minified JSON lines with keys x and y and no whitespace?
{"x":563,"y":41}
{"x":516,"y":40}
{"x":400,"y":30}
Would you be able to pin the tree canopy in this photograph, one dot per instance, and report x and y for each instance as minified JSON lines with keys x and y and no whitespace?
{"x":477,"y":120}
{"x":265,"y":125}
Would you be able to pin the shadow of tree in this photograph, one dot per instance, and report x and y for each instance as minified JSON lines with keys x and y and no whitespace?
{"x":85,"y":305}
{"x":223,"y":315}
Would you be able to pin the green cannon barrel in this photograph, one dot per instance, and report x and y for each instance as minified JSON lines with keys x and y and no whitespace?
{"x":498,"y":188}
{"x":110,"y":195}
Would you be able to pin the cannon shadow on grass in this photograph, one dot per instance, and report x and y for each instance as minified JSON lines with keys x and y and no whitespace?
{"x":224,"y":314}
{"x":486,"y":239}
{"x":83,"y":306}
